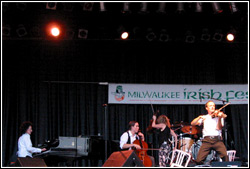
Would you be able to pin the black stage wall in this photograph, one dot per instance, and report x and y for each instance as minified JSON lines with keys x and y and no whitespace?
{"x":30,"y":68}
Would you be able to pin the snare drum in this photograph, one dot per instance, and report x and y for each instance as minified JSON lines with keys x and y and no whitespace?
{"x":185,"y":144}
{"x":195,"y":149}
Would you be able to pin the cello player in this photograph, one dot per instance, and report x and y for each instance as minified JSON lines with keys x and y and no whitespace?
{"x":127,"y":138}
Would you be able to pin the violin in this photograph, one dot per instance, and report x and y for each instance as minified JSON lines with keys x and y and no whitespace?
{"x":142,"y":154}
{"x":216,"y":112}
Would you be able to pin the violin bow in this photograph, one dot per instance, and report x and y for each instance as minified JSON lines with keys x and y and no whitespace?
{"x":224,"y":106}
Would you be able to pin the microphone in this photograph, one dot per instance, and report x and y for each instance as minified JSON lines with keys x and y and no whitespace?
{"x":104,"y":105}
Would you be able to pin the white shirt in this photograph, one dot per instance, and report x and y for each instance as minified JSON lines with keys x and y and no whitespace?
{"x":25,"y":146}
{"x":209,"y":126}
{"x":124,"y":138}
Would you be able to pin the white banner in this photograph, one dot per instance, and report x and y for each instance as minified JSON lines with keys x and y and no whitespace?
{"x":177,"y":94}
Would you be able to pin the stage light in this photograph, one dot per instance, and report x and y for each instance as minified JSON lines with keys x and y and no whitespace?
{"x":21,"y":6}
{"x":144,"y":6}
{"x":125,"y":7}
{"x":190,"y":38}
{"x":55,"y":31}
{"x":82,"y":33}
{"x":216,"y":7}
{"x":198,"y":6}
{"x":51,"y":5}
{"x":162,"y":7}
{"x":233,"y":7}
{"x":124,"y":35}
{"x":21,"y":31}
{"x":230,"y":37}
{"x":180,"y":7}
{"x":150,"y":35}
{"x":102,"y":7}
{"x":205,"y":36}
{"x":88,"y":6}
{"x":6,"y":31}
{"x":164,"y":37}
{"x":218,"y":35}
{"x":35,"y":31}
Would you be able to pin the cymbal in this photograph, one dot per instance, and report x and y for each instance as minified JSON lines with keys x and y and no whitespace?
{"x":189,"y":129}
{"x":181,"y":124}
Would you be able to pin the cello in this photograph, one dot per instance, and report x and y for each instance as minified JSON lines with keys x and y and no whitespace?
{"x":142,"y":153}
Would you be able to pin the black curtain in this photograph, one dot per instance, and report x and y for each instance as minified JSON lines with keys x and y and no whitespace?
{"x":54,"y":84}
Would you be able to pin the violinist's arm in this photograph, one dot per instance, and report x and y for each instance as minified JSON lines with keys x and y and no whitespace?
{"x":219,"y":124}
{"x":196,"y":120}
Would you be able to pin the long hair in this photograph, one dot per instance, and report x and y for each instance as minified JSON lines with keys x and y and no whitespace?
{"x":23,"y":128}
{"x":163,"y":119}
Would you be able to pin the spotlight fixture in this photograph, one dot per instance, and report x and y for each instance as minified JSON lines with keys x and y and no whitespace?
{"x":233,"y":7}
{"x":35,"y":31}
{"x":82,"y":33}
{"x":205,"y":36}
{"x":88,"y":6}
{"x":143,"y":9}
{"x":21,"y":6}
{"x":216,"y":7}
{"x":102,"y":7}
{"x":6,"y":31}
{"x":231,"y":35}
{"x":21,"y":31}
{"x":180,"y":7}
{"x":190,"y":38}
{"x":51,"y":5}
{"x":125,"y":7}
{"x":218,"y":35}
{"x":198,"y":7}
{"x":162,"y":6}
{"x":150,"y":35}
{"x":164,"y":37}
{"x":125,"y":35}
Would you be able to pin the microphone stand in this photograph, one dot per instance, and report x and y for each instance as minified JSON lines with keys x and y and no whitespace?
{"x":105,"y":131}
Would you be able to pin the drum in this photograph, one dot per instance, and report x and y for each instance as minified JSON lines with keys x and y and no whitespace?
{"x":185,"y":144}
{"x":195,"y":149}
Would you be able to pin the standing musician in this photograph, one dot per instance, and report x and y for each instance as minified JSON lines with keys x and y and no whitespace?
{"x":163,"y":124}
{"x":212,"y":132}
{"x":128,"y":138}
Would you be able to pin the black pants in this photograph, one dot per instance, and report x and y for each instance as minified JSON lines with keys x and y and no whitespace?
{"x":209,"y":143}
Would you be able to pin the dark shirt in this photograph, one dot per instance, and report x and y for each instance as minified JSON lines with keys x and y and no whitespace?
{"x":164,"y":135}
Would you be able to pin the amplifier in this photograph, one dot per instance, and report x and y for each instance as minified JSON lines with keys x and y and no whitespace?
{"x":79,"y":143}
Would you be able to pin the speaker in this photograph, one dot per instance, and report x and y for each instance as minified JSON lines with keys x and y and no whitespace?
{"x":123,"y":159}
{"x":226,"y":164}
{"x":30,"y":162}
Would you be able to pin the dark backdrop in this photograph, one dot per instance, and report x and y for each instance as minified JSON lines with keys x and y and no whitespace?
{"x":30,"y":68}
{"x":33,"y":66}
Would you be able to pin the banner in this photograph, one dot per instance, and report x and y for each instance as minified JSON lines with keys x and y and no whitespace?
{"x":177,"y":94}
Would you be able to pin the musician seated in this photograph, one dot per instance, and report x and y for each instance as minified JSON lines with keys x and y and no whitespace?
{"x":25,"y":148}
{"x":128,"y":138}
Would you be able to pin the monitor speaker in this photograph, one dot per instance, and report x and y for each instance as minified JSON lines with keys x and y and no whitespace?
{"x":123,"y":159}
{"x":226,"y":164}
{"x":30,"y":162}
